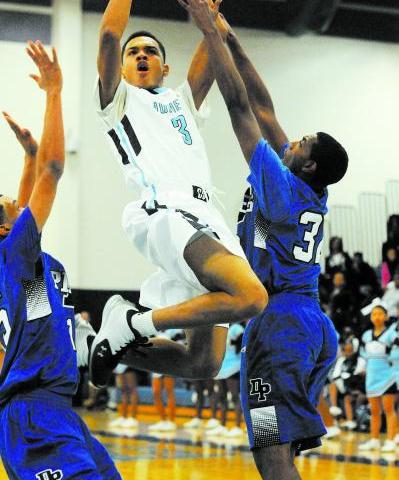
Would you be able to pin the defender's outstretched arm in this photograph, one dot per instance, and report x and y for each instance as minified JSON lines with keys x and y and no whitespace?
{"x":259,"y":96}
{"x":51,"y":153}
{"x":229,"y":81}
{"x":29,"y":145}
{"x":109,"y":63}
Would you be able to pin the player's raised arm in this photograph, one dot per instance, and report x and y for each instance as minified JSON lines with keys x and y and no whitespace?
{"x":259,"y":96}
{"x":51,"y":152}
{"x":109,"y":63}
{"x":229,"y":81}
{"x":200,"y":75}
{"x":29,"y":145}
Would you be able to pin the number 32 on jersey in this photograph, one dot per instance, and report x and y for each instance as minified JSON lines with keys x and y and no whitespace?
{"x":312,"y":222}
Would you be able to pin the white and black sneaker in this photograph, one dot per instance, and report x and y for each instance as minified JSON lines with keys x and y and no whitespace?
{"x":84,"y":336}
{"x":114,"y":338}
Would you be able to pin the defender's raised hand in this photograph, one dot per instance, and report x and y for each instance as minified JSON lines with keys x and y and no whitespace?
{"x":24,"y":136}
{"x":202,"y":12}
{"x":50,"y":78}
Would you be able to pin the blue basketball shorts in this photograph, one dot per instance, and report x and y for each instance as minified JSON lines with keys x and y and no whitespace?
{"x":287,"y":353}
{"x":42,"y":438}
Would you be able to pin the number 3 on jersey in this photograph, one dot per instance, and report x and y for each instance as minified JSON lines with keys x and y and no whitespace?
{"x":181,"y":124}
{"x":306,"y":254}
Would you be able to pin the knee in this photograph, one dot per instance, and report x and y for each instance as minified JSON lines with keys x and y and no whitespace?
{"x":275,"y":461}
{"x":253,"y":301}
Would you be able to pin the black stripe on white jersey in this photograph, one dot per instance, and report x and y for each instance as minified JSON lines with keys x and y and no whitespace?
{"x":134,"y":141}
{"x":121,"y":151}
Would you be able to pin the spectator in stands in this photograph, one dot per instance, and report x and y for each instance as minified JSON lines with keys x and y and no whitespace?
{"x":364,"y":280}
{"x":391,"y":296}
{"x":389,"y":266}
{"x":347,"y":380}
{"x":126,"y":382}
{"x":338,"y":260}
{"x":393,"y":237}
{"x":342,"y":303}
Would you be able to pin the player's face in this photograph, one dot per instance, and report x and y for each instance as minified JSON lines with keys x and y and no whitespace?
{"x":298,"y":153}
{"x":378,"y":317}
{"x":143,"y":64}
{"x":12,"y":212}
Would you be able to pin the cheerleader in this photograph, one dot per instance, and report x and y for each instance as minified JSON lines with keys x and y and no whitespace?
{"x":380,"y":379}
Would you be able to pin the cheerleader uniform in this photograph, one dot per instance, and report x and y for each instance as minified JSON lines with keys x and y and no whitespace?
{"x":380,"y":378}
{"x":394,"y":356}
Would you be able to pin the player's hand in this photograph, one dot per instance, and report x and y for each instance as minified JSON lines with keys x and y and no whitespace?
{"x":50,"y":78}
{"x":202,"y":13}
{"x":24,"y":136}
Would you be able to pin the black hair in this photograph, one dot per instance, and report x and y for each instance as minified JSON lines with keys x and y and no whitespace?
{"x":331,"y":159}
{"x":381,"y":307}
{"x":340,"y":244}
{"x":144,"y":33}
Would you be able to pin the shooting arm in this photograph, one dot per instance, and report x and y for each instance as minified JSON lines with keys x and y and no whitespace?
{"x":114,"y":22}
{"x":259,"y":97}
{"x":200,"y":75}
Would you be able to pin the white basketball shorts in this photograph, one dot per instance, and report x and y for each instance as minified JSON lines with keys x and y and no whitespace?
{"x":161,"y":234}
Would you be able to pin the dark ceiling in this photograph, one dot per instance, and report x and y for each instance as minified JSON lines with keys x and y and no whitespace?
{"x":368,"y":19}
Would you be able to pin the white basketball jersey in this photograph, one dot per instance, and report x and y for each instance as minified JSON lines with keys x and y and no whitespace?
{"x":155,"y":138}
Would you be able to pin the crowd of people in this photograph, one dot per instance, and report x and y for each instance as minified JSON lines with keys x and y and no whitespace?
{"x":349,"y":283}
{"x":363,"y":303}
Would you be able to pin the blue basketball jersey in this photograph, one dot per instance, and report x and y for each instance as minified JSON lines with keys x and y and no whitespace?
{"x":36,"y":323}
{"x":281,"y":225}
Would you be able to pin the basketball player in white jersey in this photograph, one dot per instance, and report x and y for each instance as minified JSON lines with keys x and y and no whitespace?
{"x":203,"y":278}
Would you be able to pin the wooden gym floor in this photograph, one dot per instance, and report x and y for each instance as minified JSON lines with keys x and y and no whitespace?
{"x":186,"y":455}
